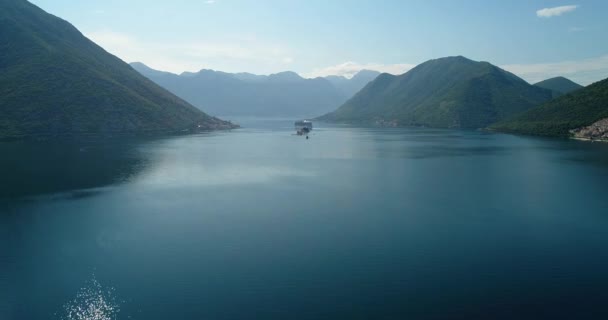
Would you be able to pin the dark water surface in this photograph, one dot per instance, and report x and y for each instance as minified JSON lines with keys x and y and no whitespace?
{"x":352,"y":224}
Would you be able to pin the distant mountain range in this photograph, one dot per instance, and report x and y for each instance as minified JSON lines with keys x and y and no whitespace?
{"x":559,"y":85}
{"x":55,"y":82}
{"x":246,"y":94}
{"x":577,"y":109}
{"x":452,"y":92}
{"x":349,"y":87}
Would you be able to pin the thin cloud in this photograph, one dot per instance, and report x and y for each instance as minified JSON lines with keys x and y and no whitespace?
{"x":584,"y":71}
{"x":110,"y":39}
{"x":349,"y":69}
{"x":576,"y":29}
{"x":239,"y":53}
{"x":210,"y":1}
{"x":555,"y":11}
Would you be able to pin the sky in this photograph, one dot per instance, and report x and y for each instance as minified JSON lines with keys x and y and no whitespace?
{"x":535,"y":40}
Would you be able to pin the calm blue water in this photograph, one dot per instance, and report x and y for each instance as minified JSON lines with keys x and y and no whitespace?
{"x":260,"y":224}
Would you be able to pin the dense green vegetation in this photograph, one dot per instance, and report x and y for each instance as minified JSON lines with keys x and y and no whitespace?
{"x":559,"y":85}
{"x":555,"y":118}
{"x":281,"y":94}
{"x":447,"y":92}
{"x":54,"y":81}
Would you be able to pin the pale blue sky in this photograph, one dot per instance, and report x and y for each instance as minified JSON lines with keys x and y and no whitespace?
{"x":320,"y":37}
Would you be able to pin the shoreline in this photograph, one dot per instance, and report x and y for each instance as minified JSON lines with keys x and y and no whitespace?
{"x":589,"y":139}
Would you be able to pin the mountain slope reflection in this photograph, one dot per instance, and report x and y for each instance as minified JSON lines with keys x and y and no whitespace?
{"x":36,"y":168}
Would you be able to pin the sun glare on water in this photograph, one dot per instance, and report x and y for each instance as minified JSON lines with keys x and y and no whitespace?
{"x":92,"y":302}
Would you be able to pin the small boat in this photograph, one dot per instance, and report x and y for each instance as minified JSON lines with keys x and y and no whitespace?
{"x":303,"y":127}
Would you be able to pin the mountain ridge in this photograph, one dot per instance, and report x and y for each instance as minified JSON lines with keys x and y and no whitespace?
{"x":559,"y":116}
{"x":56,"y":82}
{"x":245,"y":94}
{"x":450,"y":92}
{"x":559,"y":85}
{"x":349,"y":87}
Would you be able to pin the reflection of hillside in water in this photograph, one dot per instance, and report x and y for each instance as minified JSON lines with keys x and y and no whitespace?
{"x":36,"y":168}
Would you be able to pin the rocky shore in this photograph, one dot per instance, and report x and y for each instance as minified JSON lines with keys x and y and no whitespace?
{"x":596,"y":131}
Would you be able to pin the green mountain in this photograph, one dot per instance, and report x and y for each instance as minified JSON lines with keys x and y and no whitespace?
{"x":447,"y":92}
{"x":557,"y":117}
{"x":55,"y":82}
{"x":559,"y":85}
{"x":245,"y":94}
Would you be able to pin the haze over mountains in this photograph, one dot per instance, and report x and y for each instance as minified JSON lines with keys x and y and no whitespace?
{"x":349,"y":87}
{"x":245,"y":94}
{"x":559,"y":85}
{"x":54,"y":81}
{"x":452,"y":92}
